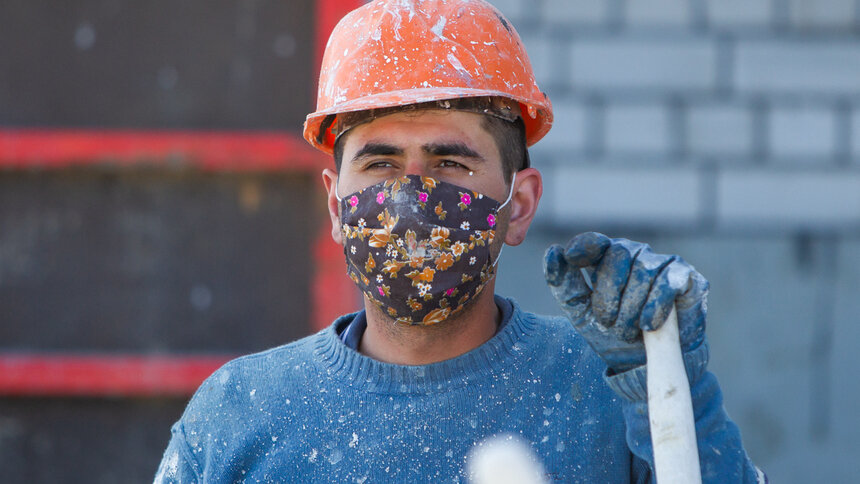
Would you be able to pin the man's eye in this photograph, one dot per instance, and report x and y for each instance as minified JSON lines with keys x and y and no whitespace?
{"x":379,"y":164}
{"x":452,"y":164}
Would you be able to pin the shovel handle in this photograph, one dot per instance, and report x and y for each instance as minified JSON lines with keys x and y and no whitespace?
{"x":670,"y":408}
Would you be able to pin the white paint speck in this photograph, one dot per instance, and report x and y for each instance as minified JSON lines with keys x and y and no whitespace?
{"x":335,"y":457}
{"x":439,"y":27}
{"x":457,"y":65}
{"x":557,"y":397}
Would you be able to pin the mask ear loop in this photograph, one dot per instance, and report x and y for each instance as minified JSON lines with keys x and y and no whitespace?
{"x":510,"y":194}
{"x":336,"y":187}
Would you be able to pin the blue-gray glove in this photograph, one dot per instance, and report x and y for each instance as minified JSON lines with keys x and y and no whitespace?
{"x":633,"y":289}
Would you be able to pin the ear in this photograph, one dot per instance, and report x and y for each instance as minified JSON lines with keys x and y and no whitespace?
{"x":527,"y":191}
{"x":330,"y":181}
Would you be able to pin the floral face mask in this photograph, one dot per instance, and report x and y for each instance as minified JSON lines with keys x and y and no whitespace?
{"x":419,"y":248}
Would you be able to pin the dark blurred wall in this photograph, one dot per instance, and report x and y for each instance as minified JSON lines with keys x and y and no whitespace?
{"x":161,"y":258}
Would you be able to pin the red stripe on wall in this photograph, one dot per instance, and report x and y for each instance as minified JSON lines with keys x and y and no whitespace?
{"x":99,"y":375}
{"x":222,"y":151}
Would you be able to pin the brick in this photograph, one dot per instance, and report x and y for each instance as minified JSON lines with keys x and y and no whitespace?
{"x":629,"y":196}
{"x":543,"y":55}
{"x":739,"y":13}
{"x":638,"y":64}
{"x":658,"y":13}
{"x":576,"y":12}
{"x":822,"y":14}
{"x":791,"y":201}
{"x":720,"y":129}
{"x":635,"y":129}
{"x":802,"y":132}
{"x":792,"y":66}
{"x":568,"y":129}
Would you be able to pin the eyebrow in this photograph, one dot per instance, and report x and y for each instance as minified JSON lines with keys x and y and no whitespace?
{"x":452,"y":149}
{"x":435,"y":149}
{"x":377,"y":149}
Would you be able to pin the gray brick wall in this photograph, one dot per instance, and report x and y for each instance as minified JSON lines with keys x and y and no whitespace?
{"x":727,"y":131}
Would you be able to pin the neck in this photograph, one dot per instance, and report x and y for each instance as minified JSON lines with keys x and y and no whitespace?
{"x":390,"y":342}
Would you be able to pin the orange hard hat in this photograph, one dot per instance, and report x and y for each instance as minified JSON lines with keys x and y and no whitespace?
{"x":400,"y":52}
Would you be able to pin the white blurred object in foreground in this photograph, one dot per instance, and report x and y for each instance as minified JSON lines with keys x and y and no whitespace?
{"x":504,"y":459}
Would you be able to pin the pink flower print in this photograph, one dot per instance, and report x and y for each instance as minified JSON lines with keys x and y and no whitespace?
{"x":353,"y":201}
{"x":491,"y":219}
{"x":449,"y":292}
{"x":422,"y":197}
{"x":381,"y":292}
{"x":465,"y":199}
{"x":380,"y":198}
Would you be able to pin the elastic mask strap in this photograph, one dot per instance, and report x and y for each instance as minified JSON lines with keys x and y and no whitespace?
{"x":336,"y":186}
{"x":496,"y":262}
{"x":510,"y":192}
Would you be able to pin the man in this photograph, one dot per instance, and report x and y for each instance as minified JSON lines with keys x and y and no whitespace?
{"x":428,"y":107}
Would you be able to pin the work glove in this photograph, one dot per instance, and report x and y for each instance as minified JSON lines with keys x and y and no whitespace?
{"x":612,"y":289}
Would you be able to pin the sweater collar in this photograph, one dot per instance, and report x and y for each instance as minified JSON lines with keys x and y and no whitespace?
{"x":492,"y":357}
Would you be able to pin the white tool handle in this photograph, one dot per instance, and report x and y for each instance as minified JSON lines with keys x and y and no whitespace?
{"x":670,"y":408}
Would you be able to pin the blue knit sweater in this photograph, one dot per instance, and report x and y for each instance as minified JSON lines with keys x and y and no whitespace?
{"x":316,"y":411}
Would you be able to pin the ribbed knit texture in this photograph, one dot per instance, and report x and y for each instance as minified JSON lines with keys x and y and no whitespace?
{"x":317,"y":411}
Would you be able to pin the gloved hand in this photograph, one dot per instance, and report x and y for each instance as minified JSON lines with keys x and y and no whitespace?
{"x":629,"y":288}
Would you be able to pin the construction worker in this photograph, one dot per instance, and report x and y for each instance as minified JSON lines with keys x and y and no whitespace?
{"x":428,"y":108}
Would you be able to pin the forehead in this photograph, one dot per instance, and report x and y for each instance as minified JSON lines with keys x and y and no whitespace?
{"x":421,"y":126}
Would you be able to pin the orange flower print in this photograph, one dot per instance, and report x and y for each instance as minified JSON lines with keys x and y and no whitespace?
{"x":423,"y":276}
{"x":395,"y":185}
{"x":428,"y":183}
{"x":414,"y":304}
{"x":387,"y":220}
{"x":392,"y":312}
{"x":440,"y":212}
{"x":439,"y":237}
{"x":444,"y":261}
{"x":370,"y":264}
{"x":436,"y":316}
{"x":379,"y":238}
{"x":458,"y":249}
{"x":392,"y":267}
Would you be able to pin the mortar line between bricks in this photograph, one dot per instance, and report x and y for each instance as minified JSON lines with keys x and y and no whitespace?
{"x":842,"y":133}
{"x":698,"y":16}
{"x":856,"y":15}
{"x":726,"y":64}
{"x":760,"y":131}
{"x":781,"y":15}
{"x":679,"y":143}
{"x":616,"y":20}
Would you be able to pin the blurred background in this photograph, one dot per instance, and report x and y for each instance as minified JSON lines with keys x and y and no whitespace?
{"x":159,"y":212}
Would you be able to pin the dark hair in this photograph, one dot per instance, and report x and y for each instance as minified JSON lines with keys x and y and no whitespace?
{"x":510,"y":138}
